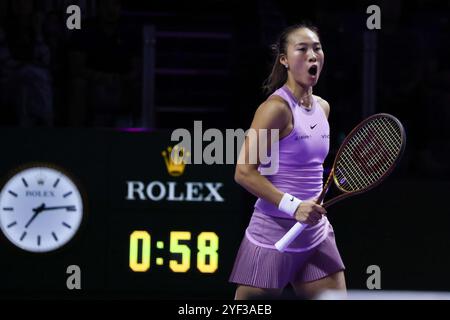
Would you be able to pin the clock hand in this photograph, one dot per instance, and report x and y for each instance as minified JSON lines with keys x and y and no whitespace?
{"x":68,"y":208}
{"x":32,"y":219}
{"x":36,"y":211}
{"x":40,"y":208}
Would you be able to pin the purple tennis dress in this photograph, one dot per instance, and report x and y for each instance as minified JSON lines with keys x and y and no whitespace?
{"x":314,"y":254}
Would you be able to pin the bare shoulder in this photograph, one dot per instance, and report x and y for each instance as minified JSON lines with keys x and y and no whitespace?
{"x":324,"y":104}
{"x":272,"y":113}
{"x":274,"y":104}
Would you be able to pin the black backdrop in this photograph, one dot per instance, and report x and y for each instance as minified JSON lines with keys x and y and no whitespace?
{"x":400,"y":226}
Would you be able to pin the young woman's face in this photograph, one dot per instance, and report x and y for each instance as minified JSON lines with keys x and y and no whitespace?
{"x":304,"y":57}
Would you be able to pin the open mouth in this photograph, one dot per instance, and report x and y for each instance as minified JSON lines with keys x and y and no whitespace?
{"x":313,"y":70}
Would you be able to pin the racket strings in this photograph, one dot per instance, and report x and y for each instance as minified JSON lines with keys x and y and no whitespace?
{"x":361,"y":174}
{"x":395,"y":142}
{"x":368,"y":154}
{"x":377,"y":157}
{"x":356,"y":179}
{"x":349,"y":178}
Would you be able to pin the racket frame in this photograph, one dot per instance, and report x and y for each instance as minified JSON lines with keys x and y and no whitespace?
{"x":346,"y":193}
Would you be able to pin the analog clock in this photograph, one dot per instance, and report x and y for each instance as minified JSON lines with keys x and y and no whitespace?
{"x":41,"y":208}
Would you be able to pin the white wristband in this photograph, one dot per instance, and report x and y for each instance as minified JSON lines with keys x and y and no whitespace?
{"x":289,"y":204}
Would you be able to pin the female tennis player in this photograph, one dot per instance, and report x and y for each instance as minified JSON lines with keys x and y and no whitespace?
{"x":312,"y":263}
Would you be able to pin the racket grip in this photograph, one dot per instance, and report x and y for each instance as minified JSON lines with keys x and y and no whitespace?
{"x":290,"y":236}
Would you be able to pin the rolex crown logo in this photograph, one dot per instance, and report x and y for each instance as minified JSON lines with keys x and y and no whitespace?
{"x":175,"y":159}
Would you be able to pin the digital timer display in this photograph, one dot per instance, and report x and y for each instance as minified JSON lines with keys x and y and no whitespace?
{"x":206,"y":251}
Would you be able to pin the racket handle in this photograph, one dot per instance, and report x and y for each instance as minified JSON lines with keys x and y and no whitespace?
{"x":290,"y":236}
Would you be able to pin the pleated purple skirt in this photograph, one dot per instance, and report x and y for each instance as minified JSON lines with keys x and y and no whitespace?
{"x":260,"y":267}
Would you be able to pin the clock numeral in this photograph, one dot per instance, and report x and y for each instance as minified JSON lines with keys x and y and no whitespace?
{"x":8,"y":209}
{"x":54,"y":236}
{"x":56,"y":183}
{"x":23,"y":236}
{"x":25,"y":182}
{"x":39,"y":240}
{"x":143,"y":238}
{"x":67,"y":194}
{"x":12,"y":193}
{"x":207,"y":256}
{"x":180,"y":248}
{"x":66,"y":225}
{"x":11,"y":224}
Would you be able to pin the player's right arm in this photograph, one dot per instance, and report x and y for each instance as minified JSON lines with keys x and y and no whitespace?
{"x":273,"y":114}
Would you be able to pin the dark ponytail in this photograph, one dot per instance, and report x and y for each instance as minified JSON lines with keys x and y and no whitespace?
{"x":278,"y":75}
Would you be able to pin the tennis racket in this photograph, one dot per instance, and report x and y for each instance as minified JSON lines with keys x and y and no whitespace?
{"x":366,"y":157}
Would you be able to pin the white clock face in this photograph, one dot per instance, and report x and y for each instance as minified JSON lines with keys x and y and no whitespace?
{"x":41,"y":209}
